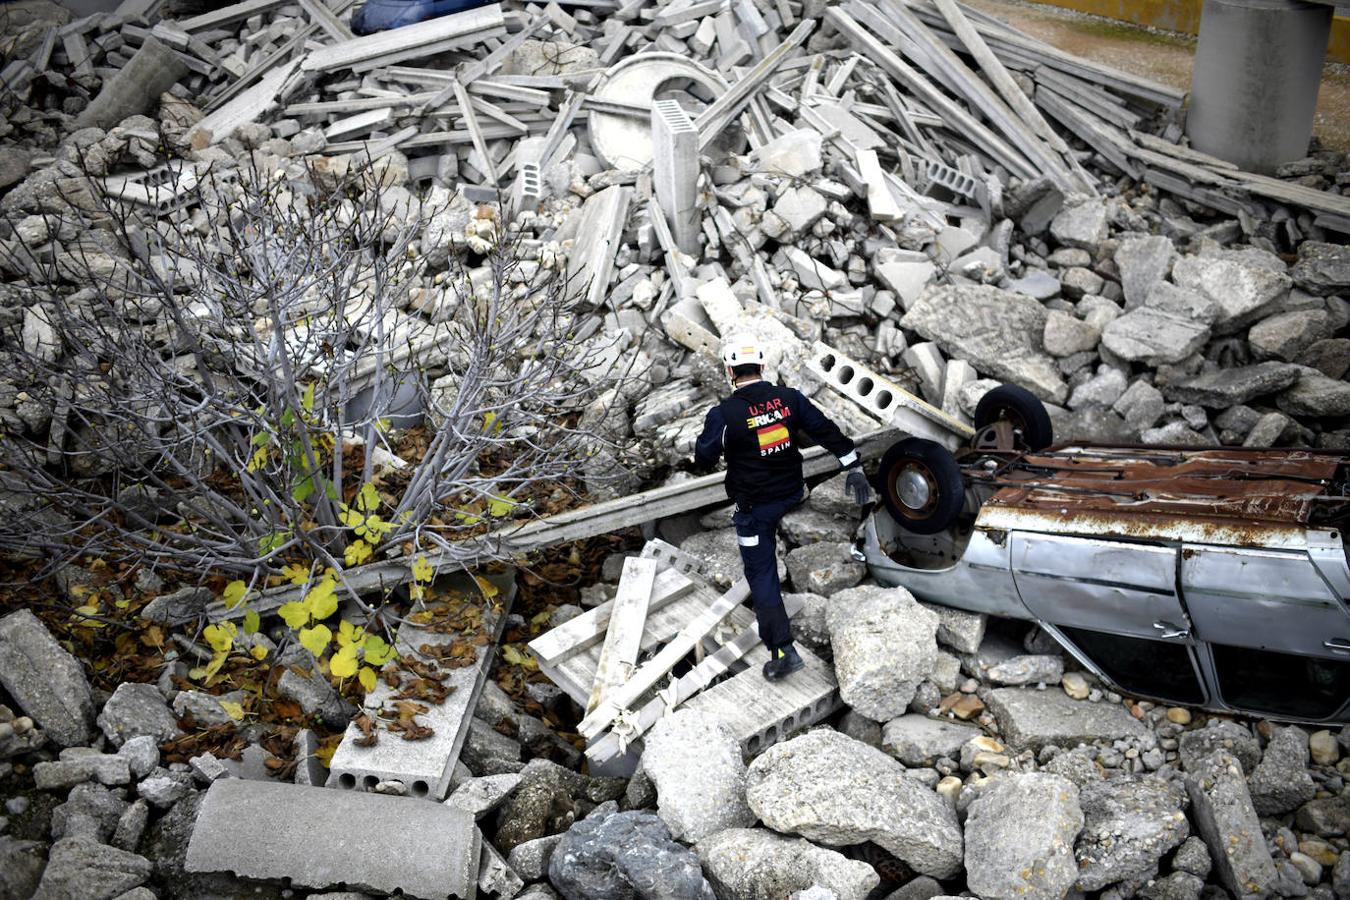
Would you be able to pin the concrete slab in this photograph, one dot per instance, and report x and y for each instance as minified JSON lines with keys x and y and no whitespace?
{"x":317,"y":838}
{"x":424,"y":766}
{"x":1031,"y":719}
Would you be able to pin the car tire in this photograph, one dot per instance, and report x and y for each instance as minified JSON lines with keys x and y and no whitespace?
{"x":1021,"y":408}
{"x":921,"y":485}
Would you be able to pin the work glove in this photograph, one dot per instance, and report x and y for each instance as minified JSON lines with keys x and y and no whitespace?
{"x":856,"y":482}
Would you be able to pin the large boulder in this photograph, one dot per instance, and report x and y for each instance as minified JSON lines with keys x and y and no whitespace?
{"x":1030,"y":719}
{"x":837,"y":791}
{"x":1169,"y":325}
{"x":1128,"y":824}
{"x":695,"y":762}
{"x":45,"y":681}
{"x":625,"y":856}
{"x":885,"y":645}
{"x":998,"y":332}
{"x":1244,"y":293}
{"x":1019,"y":838}
{"x":758,"y":864}
{"x":1280,"y":783}
{"x":1225,"y":817}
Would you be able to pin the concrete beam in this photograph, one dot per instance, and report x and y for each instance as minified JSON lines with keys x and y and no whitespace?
{"x":675,"y":171}
{"x":315,"y":838}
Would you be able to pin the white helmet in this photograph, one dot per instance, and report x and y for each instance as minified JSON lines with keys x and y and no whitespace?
{"x":743,"y":350}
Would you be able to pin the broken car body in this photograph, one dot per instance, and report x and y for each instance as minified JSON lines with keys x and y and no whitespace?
{"x":1209,"y":577}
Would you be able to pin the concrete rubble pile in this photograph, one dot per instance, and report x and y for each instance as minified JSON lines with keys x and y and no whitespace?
{"x":914,"y":188}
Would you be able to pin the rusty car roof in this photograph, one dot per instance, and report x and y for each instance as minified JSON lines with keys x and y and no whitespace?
{"x":1227,"y":495}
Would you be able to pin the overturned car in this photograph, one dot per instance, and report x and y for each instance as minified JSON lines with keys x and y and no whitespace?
{"x":1208,"y":577}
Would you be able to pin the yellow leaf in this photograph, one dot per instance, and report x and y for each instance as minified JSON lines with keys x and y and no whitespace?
{"x":234,"y":593}
{"x":258,"y":460}
{"x":316,"y":639}
{"x":259,"y":652}
{"x":294,"y":614}
{"x":356,"y":553}
{"x":367,"y":499}
{"x":219,"y":638}
{"x":214,"y":665}
{"x":500,"y":506}
{"x":122,"y":604}
{"x":349,"y":634}
{"x":296,"y":573}
{"x":233,"y":710}
{"x":487,"y":587}
{"x":89,"y":609}
{"x":367,"y":677}
{"x":421,"y":569}
{"x":377,"y":652}
{"x":251,"y":622}
{"x":344,"y":664}
{"x":512,"y":655}
{"x":322,"y":599}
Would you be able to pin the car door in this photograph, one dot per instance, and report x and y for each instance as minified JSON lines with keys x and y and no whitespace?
{"x":1277,"y":629}
{"x":1116,"y":604}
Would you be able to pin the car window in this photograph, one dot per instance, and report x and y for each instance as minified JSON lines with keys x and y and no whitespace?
{"x":1162,"y":669}
{"x":1303,"y":687}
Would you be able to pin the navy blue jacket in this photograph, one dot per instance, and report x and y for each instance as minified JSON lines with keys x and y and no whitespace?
{"x":759,"y":429}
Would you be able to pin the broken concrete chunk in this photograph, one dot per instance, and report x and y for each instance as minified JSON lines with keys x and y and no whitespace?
{"x":757,"y":864}
{"x":824,"y":568}
{"x":917,"y":740}
{"x":1129,"y":824}
{"x":1065,"y":335}
{"x":1143,"y":262}
{"x":884,"y":645}
{"x":1082,"y":224}
{"x":1322,"y":268}
{"x":836,"y":791}
{"x":620,"y":854}
{"x":1287,"y":335}
{"x":1222,"y":388}
{"x":1224,"y":815}
{"x":79,"y":867}
{"x":695,"y":762}
{"x":45,"y":681}
{"x":1280,"y":783}
{"x":1243,"y":293}
{"x":1314,"y":394}
{"x":1030,"y":719}
{"x":1019,"y":838}
{"x":794,"y":154}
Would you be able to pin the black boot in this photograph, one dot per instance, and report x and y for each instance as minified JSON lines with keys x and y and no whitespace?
{"x":784,"y":661}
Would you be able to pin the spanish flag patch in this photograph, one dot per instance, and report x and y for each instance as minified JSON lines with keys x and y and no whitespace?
{"x":772,"y":436}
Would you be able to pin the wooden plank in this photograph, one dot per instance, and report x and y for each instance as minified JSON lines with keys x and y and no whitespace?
{"x":323,"y":17}
{"x":245,"y":108}
{"x":623,"y":638}
{"x":410,"y":41}
{"x":652,"y":671}
{"x":227,"y":14}
{"x":716,"y":117}
{"x":587,"y":629}
{"x":466,"y":112}
{"x":1095,"y":133}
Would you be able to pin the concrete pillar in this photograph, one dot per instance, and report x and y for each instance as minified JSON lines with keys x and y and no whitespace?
{"x":136,"y":87}
{"x":675,"y":171}
{"x":1257,"y":70}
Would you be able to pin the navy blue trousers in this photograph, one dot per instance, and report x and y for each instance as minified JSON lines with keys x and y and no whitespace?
{"x":757,"y":535}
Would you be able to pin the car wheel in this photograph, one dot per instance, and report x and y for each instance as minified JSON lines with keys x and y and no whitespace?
{"x":1012,"y":408}
{"x":921,"y":485}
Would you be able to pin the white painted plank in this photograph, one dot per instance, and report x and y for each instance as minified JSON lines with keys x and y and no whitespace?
{"x":623,"y":638}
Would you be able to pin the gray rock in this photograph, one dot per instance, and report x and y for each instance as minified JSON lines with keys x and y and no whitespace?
{"x":1031,"y":669}
{"x":757,"y":864}
{"x":21,"y":864}
{"x":1198,"y":743}
{"x":1141,"y":405}
{"x":163,"y":788}
{"x":1176,"y":886}
{"x":1314,"y":394}
{"x":1331,"y":357}
{"x":1128,"y":825}
{"x":1019,"y":838}
{"x":1223,"y":388}
{"x":1077,"y":766}
{"x":1340,"y":876}
{"x":836,"y":791}
{"x":1192,"y":857}
{"x":530,"y":860}
{"x":695,"y":762}
{"x":1322,"y":268}
{"x":1082,"y":224}
{"x":1066,"y":335}
{"x":131,"y":827}
{"x":142,"y":755}
{"x":1224,"y":816}
{"x":1168,"y":327}
{"x":481,"y":796}
{"x":1037,"y":284}
{"x":544,"y":803}
{"x":79,"y":867}
{"x":204,"y":708}
{"x":1143,"y":262}
{"x":958,"y":629}
{"x":920,"y":741}
{"x":860,"y":728}
{"x":807,"y":526}
{"x":1286,"y":336}
{"x":884,"y":645}
{"x":996,"y":331}
{"x":824,"y":568}
{"x":105,"y":768}
{"x":797,"y":209}
{"x":1325,"y":816}
{"x":921,"y":888}
{"x":720,"y":554}
{"x":45,"y":681}
{"x":625,"y":856}
{"x":1267,"y":430}
{"x":1030,"y":719}
{"x":90,"y":811}
{"x":1281,"y":783}
{"x":1244,"y":293}
{"x":316,"y":697}
{"x":135,"y":710}
{"x":809,"y":626}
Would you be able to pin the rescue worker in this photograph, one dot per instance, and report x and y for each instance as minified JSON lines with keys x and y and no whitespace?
{"x":759,"y":430}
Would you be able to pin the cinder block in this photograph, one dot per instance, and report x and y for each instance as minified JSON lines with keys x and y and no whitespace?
{"x":316,"y":838}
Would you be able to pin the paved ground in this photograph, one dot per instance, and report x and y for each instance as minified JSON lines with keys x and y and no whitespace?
{"x":1162,"y":56}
